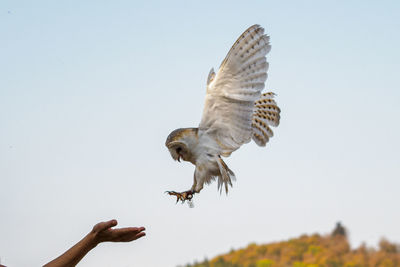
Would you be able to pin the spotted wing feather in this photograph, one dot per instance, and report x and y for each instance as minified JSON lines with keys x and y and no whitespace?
{"x":266,"y":114}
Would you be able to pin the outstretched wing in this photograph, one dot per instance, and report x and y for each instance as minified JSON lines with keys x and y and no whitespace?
{"x":233,"y":90}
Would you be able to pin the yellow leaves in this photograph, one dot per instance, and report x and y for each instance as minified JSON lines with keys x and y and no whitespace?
{"x":264,"y":263}
{"x":310,"y":251}
{"x":262,"y":250}
{"x":387,"y":263}
{"x":302,"y":264}
{"x":314,"y":250}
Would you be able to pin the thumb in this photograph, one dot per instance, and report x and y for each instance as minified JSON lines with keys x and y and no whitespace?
{"x":104,"y":225}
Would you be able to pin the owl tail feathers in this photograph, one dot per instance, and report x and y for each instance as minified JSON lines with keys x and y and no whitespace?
{"x":266,"y":113}
{"x":226,"y":176}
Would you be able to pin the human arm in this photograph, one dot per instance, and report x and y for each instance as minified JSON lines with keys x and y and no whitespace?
{"x":101,"y":232}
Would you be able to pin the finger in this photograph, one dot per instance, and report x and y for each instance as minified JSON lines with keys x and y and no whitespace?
{"x":113,"y":223}
{"x":128,"y":230}
{"x":131,"y":237}
{"x":109,"y":224}
{"x":139,"y":235}
{"x":141,"y":229}
{"x":127,"y":234}
{"x":104,"y":225}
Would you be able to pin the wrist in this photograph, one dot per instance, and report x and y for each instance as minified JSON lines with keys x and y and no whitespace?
{"x":92,"y":239}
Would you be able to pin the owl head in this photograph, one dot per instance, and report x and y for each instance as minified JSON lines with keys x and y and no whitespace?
{"x":179,"y":143}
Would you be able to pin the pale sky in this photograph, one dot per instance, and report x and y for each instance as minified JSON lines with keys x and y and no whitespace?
{"x":89,"y":92}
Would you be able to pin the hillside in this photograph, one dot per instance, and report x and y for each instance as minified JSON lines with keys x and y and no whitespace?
{"x":309,"y":251}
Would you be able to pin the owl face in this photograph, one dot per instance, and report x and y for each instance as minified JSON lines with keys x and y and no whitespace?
{"x":180,"y":142}
{"x":177,"y":150}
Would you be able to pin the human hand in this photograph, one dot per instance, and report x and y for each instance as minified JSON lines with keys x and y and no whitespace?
{"x":103,"y":232}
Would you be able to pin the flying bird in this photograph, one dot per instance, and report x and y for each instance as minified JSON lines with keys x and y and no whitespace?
{"x":235,"y":111}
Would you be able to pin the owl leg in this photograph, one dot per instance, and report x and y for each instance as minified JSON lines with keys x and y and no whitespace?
{"x":200,"y":175}
{"x":196,"y":188}
{"x":198,"y":183}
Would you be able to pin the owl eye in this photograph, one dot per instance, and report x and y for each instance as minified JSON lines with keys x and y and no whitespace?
{"x":178,"y":150}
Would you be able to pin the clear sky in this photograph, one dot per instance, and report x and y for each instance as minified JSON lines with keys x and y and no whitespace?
{"x":89,"y":91}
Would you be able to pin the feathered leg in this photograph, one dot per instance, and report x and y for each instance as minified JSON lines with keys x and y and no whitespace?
{"x":198,"y":181}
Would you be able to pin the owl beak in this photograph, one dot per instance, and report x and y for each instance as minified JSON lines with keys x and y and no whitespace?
{"x":179,"y":158}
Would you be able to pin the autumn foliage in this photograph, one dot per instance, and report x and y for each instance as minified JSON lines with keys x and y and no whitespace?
{"x":309,"y":251}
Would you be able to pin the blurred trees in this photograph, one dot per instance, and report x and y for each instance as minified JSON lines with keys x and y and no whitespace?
{"x":310,"y":251}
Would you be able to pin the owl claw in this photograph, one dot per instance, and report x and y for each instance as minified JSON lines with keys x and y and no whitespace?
{"x":187,"y":195}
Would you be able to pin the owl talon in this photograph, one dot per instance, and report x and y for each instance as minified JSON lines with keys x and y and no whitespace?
{"x":183,"y":196}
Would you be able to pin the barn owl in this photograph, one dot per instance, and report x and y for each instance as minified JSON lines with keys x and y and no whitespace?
{"x":235,"y":111}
